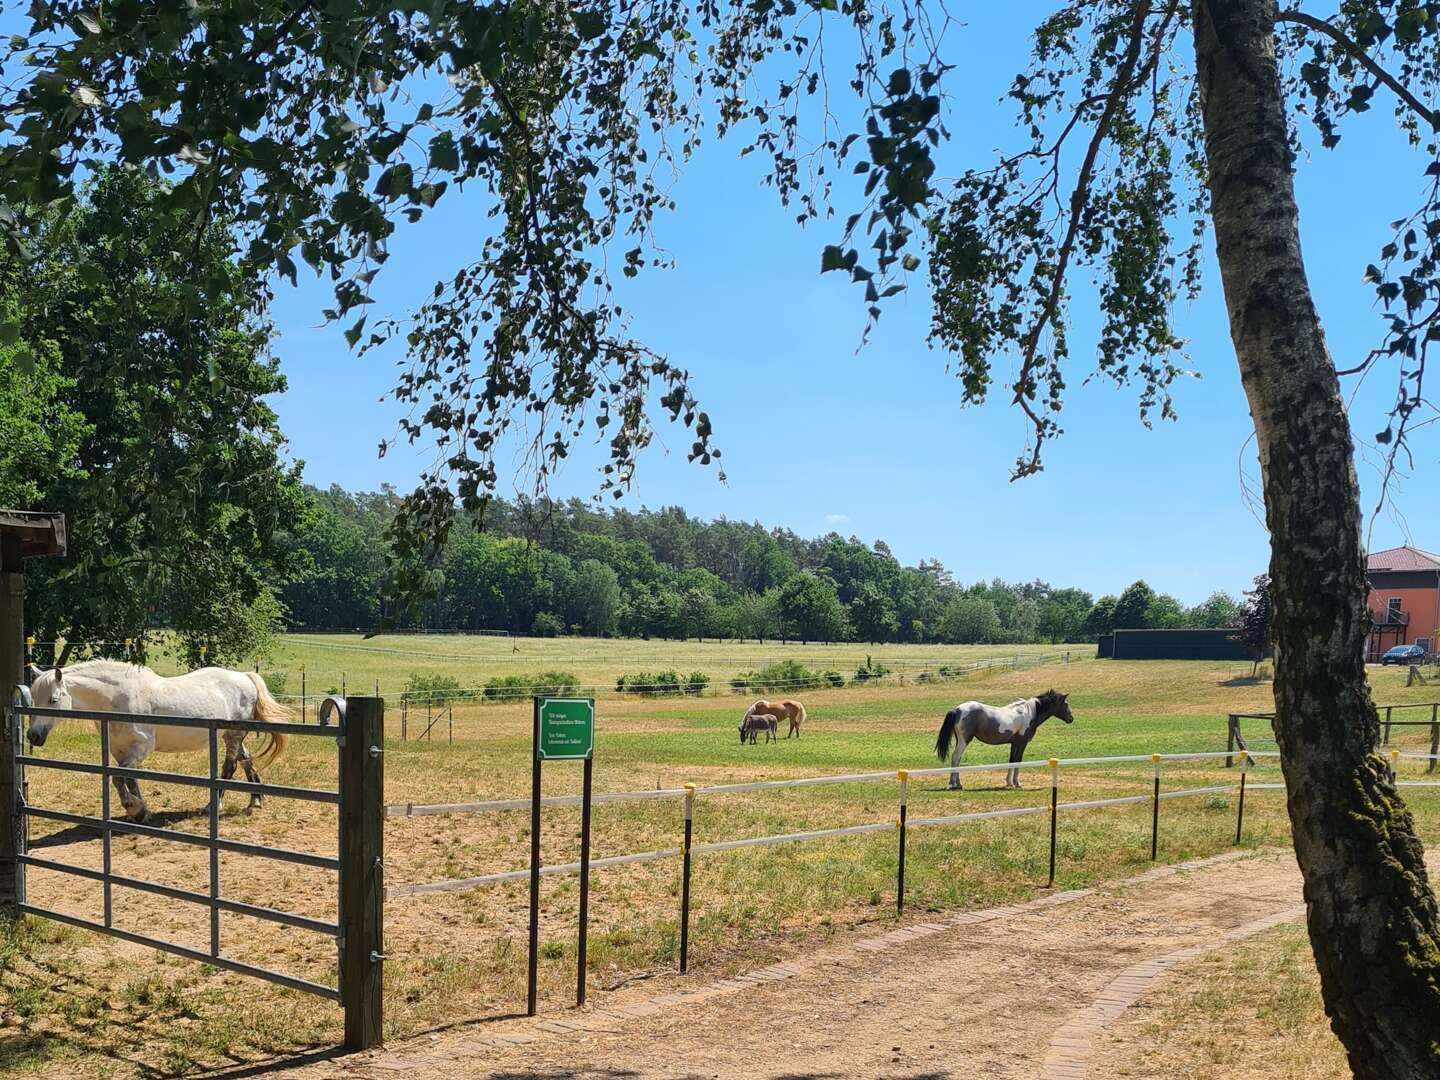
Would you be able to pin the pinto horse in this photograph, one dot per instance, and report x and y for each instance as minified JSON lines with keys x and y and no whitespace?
{"x":780,"y":710}
{"x":1015,"y":724}
{"x":116,"y":686}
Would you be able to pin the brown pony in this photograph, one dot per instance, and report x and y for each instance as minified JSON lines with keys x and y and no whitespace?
{"x":780,"y":710}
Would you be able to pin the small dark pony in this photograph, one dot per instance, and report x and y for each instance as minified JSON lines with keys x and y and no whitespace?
{"x":751,"y":726}
{"x":1015,"y":724}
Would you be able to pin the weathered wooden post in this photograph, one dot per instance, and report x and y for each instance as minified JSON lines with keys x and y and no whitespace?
{"x":362,"y":884}
{"x":1230,"y":727}
{"x":1434,"y":735}
{"x":23,"y":535}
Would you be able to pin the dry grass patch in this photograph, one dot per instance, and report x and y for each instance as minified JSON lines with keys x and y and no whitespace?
{"x":1252,"y":1011}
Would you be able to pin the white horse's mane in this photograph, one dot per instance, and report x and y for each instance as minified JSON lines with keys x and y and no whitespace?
{"x":103,"y":666}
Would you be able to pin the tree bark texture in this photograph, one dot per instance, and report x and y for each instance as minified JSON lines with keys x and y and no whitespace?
{"x":1371,"y":912}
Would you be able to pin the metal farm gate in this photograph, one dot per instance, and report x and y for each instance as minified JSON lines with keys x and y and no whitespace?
{"x":355,"y":726}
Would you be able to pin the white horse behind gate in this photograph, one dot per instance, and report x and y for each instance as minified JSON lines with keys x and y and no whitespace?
{"x":117,"y":686}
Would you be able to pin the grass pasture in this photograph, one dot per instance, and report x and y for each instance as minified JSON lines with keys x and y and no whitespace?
{"x":76,"y":1004}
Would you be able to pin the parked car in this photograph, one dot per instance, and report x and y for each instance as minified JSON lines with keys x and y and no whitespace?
{"x":1404,"y":654}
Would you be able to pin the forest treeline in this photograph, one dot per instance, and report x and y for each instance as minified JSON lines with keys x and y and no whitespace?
{"x":550,"y":568}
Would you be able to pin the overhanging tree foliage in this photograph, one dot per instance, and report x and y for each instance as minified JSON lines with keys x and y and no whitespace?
{"x":1145,"y":124}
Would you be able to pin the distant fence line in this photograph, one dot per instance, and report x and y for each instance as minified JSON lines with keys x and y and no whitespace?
{"x":714,"y":688}
{"x":861,"y":652}
{"x":1234,"y":738}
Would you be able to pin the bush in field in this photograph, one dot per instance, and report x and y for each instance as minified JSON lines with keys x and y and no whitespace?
{"x":662,"y":683}
{"x":276,"y":681}
{"x":548,"y":624}
{"x":649,"y":684}
{"x":869,"y":670}
{"x":834,"y":679}
{"x":784,"y":676}
{"x":435,"y":687}
{"x":544,"y":684}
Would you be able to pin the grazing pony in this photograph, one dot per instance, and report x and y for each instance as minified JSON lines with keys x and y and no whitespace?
{"x":1015,"y":724}
{"x":780,"y":710}
{"x":750,"y":726}
{"x":117,"y":686}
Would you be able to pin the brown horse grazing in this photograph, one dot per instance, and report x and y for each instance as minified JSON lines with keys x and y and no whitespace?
{"x":780,"y":710}
{"x":750,"y":726}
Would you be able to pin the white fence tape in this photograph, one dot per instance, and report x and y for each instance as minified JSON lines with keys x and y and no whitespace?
{"x":493,"y":805}
{"x":397,"y":891}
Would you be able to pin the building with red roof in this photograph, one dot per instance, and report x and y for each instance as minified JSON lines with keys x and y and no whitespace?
{"x":1404,"y":599}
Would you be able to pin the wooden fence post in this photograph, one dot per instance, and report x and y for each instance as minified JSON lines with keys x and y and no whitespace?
{"x":362,"y":885}
{"x":1434,"y":736}
{"x":1240,"y":810}
{"x":12,"y":671}
{"x":1230,"y":727}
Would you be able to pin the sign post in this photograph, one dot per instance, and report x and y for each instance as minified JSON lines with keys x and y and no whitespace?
{"x":564,"y":730}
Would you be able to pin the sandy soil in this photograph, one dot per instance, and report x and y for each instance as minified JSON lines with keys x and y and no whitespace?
{"x":968,"y":996}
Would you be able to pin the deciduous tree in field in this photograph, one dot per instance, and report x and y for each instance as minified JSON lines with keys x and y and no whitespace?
{"x":1143,"y":127}
{"x":1252,"y":624}
{"x":143,"y":418}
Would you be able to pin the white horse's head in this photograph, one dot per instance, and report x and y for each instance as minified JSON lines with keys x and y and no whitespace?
{"x":49,"y":691}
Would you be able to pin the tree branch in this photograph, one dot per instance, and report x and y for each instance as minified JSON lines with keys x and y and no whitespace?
{"x":1430,"y":116}
{"x":1126,"y":78}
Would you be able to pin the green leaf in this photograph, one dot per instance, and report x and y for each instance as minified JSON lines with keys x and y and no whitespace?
{"x":832,"y":258}
{"x":443,"y":153}
{"x":589,"y":24}
{"x":395,"y":181}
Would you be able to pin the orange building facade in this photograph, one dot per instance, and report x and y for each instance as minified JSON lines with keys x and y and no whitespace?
{"x":1404,"y":600}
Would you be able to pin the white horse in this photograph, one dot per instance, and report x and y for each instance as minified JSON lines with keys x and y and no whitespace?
{"x":1015,"y":724}
{"x":116,"y":686}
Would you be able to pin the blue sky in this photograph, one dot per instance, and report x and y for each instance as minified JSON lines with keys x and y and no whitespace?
{"x":817,"y":436}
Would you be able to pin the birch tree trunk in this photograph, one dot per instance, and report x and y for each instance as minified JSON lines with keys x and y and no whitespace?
{"x":1371,"y":912}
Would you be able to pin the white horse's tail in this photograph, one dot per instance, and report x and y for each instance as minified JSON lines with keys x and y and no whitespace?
{"x":800,"y":717}
{"x":268,"y":711}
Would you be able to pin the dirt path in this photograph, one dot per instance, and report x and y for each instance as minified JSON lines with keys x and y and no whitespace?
{"x":994,"y":994}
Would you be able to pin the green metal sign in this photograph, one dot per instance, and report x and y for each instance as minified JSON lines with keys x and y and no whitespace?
{"x":566,"y":729}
